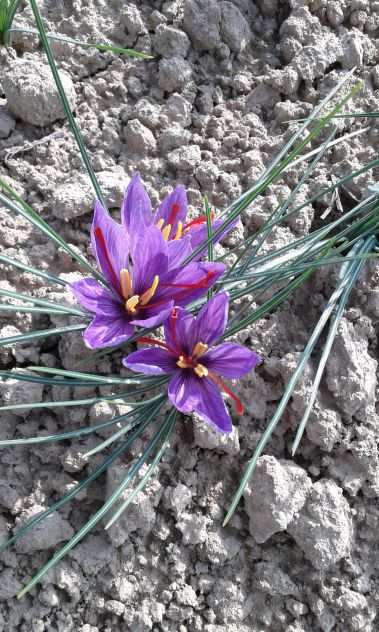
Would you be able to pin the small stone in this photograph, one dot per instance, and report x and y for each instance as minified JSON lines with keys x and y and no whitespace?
{"x":276,"y":492}
{"x":352,"y":51}
{"x":351,"y":372}
{"x":179,"y":498}
{"x":324,"y":428}
{"x":171,"y":42}
{"x":75,"y":197}
{"x":7,"y":123}
{"x":174,"y":74}
{"x":9,"y":584}
{"x":139,"y":139}
{"x":115,"y":607}
{"x":132,"y":19}
{"x":32,"y":95}
{"x":14,"y":391}
{"x":186,"y":596}
{"x":271,"y":579}
{"x":46,"y":534}
{"x":208,"y":438}
{"x":185,"y":158}
{"x":140,"y":515}
{"x":323,"y":528}
{"x":202,"y":20}
{"x":235,"y":30}
{"x":193,"y":528}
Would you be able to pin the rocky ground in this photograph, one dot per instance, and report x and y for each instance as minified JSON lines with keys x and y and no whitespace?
{"x":301,"y":553}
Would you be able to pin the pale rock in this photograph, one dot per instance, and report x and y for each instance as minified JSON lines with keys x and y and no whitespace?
{"x":208,"y":438}
{"x":276,"y":492}
{"x":351,"y":372}
{"x":32,"y":95}
{"x":139,"y":139}
{"x":14,"y":391}
{"x":186,"y":158}
{"x":235,"y":30}
{"x":7,"y":123}
{"x":75,"y":197}
{"x":174,"y":74}
{"x":46,"y":534}
{"x":202,"y":19}
{"x":323,"y":528}
{"x":171,"y":42}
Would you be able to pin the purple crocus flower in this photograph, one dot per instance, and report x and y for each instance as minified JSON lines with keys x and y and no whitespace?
{"x":144,"y":281}
{"x":195,"y":363}
{"x":170,"y":216}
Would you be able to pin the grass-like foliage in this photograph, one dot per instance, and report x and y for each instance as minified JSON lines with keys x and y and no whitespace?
{"x":271,"y":278}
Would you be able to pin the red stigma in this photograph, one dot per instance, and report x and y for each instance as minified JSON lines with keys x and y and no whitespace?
{"x":153,"y":341}
{"x":197,"y":221}
{"x":101,"y":243}
{"x":192,"y":286}
{"x":175,"y":208}
{"x":222,"y":386}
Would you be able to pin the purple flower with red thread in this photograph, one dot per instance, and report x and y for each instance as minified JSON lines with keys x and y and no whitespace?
{"x":196,"y":364}
{"x":143,"y":277}
{"x":170,"y":217}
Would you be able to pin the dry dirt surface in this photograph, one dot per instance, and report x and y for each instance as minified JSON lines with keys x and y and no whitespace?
{"x":301,"y":553}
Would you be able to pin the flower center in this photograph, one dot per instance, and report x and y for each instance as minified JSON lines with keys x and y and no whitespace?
{"x":190,"y":362}
{"x":134,"y":301}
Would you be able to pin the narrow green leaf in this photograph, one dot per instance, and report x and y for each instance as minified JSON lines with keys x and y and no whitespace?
{"x":65,"y":103}
{"x":105,"y":48}
{"x":22,"y":208}
{"x":26,"y":268}
{"x":102,"y":511}
{"x":148,"y":473}
{"x":41,"y":333}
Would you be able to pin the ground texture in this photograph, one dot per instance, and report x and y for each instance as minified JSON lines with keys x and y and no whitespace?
{"x":212,"y":108}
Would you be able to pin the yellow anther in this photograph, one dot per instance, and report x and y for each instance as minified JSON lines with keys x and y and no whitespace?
{"x":148,"y":295}
{"x":166,"y":232}
{"x":126,"y":283}
{"x":201,"y":370}
{"x":200,"y":348}
{"x":132,"y":303}
{"x":179,"y":231}
{"x":182,"y":363}
{"x":160,"y":223}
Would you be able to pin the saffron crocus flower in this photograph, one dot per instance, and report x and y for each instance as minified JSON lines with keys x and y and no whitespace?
{"x":143,"y":281}
{"x":170,"y":216}
{"x":196,"y":364}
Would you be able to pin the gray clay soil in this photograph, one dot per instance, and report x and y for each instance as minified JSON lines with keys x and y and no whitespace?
{"x":301,"y":553}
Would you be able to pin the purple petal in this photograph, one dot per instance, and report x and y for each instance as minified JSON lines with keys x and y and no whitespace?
{"x":212,"y":318}
{"x":110,"y":244}
{"x":199,"y":232}
{"x":189,"y":393}
{"x":150,"y":361}
{"x":185,"y":285}
{"x":153,"y":316}
{"x":178,"y":251}
{"x":136,"y":211}
{"x":178,"y":331}
{"x":230,"y":360}
{"x":173,"y":209}
{"x":150,"y":258}
{"x":94,"y":297}
{"x":105,"y":331}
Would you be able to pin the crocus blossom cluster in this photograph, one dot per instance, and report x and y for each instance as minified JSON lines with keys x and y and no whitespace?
{"x":195,"y":363}
{"x":147,"y":283}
